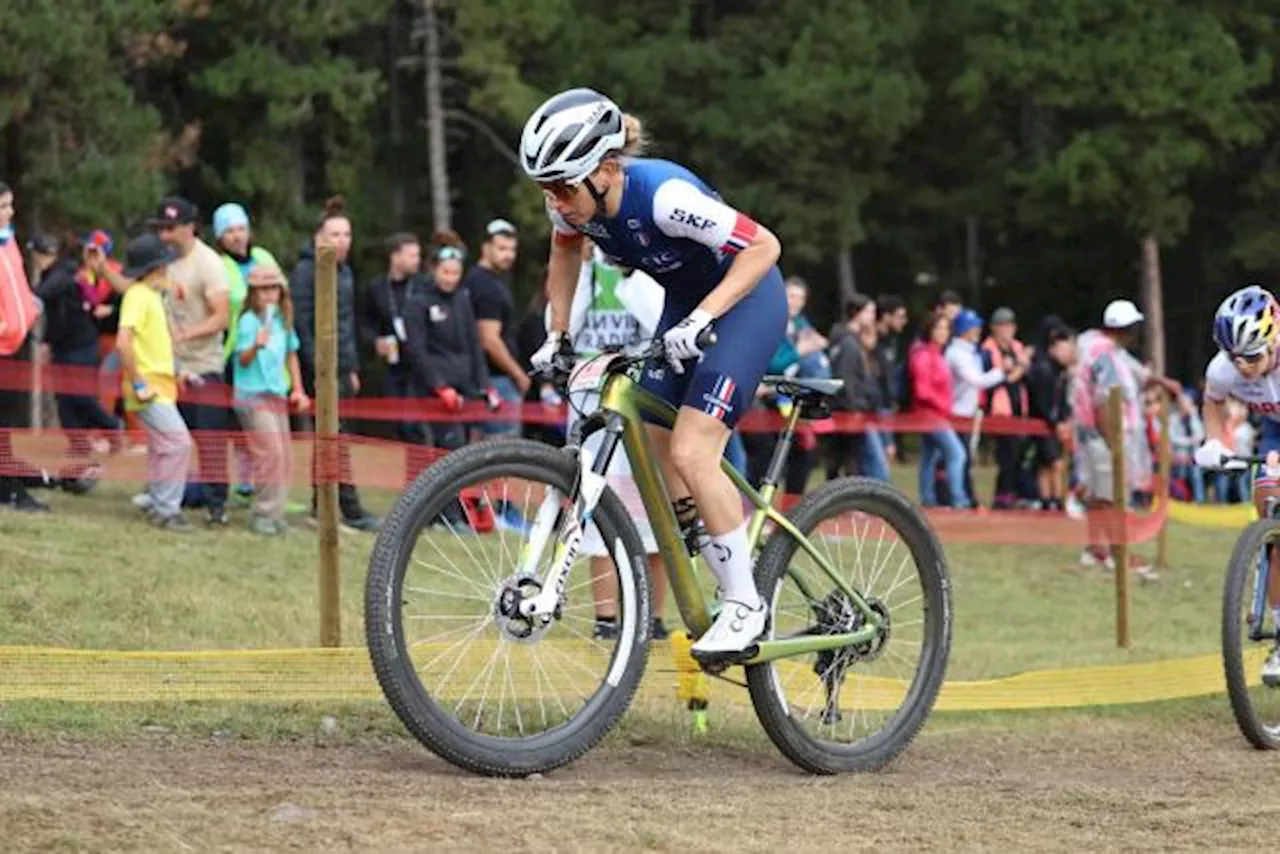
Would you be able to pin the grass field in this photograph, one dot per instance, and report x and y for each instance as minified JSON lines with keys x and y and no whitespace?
{"x":344,"y":776}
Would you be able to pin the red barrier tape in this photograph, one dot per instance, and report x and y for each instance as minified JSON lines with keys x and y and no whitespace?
{"x":77,"y":380}
{"x":383,"y":464}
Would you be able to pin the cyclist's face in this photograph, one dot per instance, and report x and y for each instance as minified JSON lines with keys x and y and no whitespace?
{"x":1255,"y":366}
{"x":574,"y":202}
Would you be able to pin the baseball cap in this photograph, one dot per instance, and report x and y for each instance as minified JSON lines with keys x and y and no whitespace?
{"x":174,"y":210}
{"x":966,"y":321}
{"x":1121,"y":314}
{"x":1003,"y":315}
{"x":145,"y":254}
{"x":499,"y":226}
{"x":43,"y":244}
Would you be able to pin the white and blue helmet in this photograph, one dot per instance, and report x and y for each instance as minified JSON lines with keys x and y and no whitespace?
{"x":569,"y":135}
{"x":1246,"y":322}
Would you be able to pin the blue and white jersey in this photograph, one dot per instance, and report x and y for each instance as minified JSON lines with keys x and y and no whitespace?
{"x":671,"y":225}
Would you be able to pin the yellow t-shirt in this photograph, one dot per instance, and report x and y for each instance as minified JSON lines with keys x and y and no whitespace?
{"x":142,"y":312}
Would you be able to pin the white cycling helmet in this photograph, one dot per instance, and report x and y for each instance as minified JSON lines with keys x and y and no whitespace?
{"x":566,"y":138}
{"x":1246,"y":322}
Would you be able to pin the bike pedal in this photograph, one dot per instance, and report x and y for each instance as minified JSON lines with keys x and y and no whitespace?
{"x":717,"y":661}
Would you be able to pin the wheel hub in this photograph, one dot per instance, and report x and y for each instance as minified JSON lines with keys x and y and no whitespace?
{"x":836,"y":615}
{"x":513,"y":625}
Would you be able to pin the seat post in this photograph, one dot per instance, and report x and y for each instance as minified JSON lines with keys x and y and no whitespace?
{"x":773,"y":474}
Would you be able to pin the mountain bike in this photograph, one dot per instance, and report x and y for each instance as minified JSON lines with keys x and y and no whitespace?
{"x":872,"y":643}
{"x":1249,"y":632}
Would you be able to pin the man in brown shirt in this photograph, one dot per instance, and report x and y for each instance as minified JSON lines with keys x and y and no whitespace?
{"x":198,"y":304}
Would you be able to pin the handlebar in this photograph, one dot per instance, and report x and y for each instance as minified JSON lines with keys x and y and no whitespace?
{"x":562,"y":365}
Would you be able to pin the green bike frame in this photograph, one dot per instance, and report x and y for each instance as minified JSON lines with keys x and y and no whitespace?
{"x":623,"y":402}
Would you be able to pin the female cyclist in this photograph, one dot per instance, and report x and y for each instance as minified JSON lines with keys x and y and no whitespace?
{"x":716,"y":265}
{"x":1245,"y":330}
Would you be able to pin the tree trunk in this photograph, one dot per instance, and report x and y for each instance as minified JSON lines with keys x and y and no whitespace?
{"x":844,"y":272}
{"x":1153,"y":303}
{"x":437,"y":164}
{"x":972,"y":268}
{"x":399,"y":191}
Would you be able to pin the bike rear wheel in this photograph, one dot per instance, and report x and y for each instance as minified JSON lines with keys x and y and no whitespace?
{"x":1255,"y":705}
{"x":488,"y":690}
{"x":900,"y":673}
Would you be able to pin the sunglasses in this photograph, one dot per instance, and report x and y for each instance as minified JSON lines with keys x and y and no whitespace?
{"x":559,"y":190}
{"x":450,"y":253}
{"x":1250,"y":358}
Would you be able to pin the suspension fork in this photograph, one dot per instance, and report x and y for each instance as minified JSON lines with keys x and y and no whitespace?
{"x":589,"y":488}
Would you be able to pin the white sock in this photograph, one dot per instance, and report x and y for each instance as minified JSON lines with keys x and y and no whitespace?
{"x":729,"y":557}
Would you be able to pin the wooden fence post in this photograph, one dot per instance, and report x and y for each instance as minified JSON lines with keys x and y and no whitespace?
{"x":326,"y":441}
{"x":1164,"y":470}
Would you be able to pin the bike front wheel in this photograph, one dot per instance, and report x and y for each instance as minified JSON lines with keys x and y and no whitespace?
{"x":1246,"y":637}
{"x":477,"y":683}
{"x":857,"y":707}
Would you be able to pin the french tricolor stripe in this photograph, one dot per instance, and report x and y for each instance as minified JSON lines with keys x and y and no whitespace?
{"x":744,"y":231}
{"x":722,"y":394}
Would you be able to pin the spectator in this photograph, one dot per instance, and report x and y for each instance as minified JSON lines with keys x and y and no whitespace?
{"x":150,"y":377}
{"x":240,"y":257}
{"x":445,"y":351}
{"x":489,"y":284}
{"x":72,"y":338}
{"x":1236,"y":487}
{"x":333,"y":227}
{"x":1106,"y":363}
{"x":103,"y":299}
{"x":949,"y":304}
{"x":1007,"y":398}
{"x":803,"y":350}
{"x":385,"y":319}
{"x":199,"y":308}
{"x":855,"y":360}
{"x":267,"y":382}
{"x":969,"y":379}
{"x":18,"y":311}
{"x":1186,"y":433}
{"x":1048,"y":399}
{"x":891,"y":322}
{"x":931,"y":395}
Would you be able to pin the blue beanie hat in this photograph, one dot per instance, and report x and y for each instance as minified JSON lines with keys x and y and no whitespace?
{"x":965,"y":321}
{"x":227,"y":216}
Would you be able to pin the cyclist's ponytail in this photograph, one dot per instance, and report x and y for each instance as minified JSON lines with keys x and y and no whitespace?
{"x":636,"y":139}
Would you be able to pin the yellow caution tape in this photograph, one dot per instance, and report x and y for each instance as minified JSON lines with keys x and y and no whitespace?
{"x":1233,"y":516}
{"x":30,"y":673}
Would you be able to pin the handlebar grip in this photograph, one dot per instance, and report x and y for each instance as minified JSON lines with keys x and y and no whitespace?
{"x":706,"y":338}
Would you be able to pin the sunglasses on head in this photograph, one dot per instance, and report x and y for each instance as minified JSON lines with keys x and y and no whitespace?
{"x":449,"y":253}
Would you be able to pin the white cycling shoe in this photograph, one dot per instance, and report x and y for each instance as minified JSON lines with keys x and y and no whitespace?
{"x":1271,"y":669}
{"x":738,"y":626}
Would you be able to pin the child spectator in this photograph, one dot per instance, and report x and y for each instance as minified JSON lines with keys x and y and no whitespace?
{"x":267,"y":380}
{"x":150,"y":381}
{"x":1048,"y":387}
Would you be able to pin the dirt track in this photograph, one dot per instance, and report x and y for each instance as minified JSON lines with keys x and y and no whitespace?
{"x":1092,"y":785}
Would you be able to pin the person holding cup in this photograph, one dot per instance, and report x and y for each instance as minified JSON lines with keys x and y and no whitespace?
{"x":267,"y":382}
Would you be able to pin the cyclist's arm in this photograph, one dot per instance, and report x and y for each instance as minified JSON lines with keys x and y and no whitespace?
{"x":1218,"y":379}
{"x":563,"y":268}
{"x":682,"y":210}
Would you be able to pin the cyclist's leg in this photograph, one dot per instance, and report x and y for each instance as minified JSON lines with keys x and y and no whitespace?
{"x":720,"y":388}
